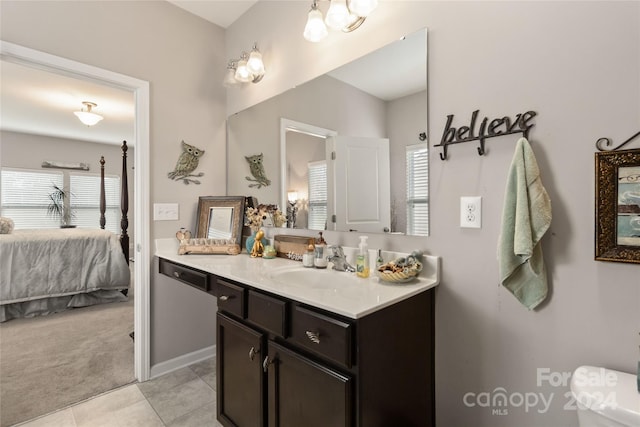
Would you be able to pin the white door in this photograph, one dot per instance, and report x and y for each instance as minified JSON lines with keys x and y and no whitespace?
{"x":359,"y":176}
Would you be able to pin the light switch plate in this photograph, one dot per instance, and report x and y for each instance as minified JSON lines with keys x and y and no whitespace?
{"x":166,"y":212}
{"x":470,"y":212}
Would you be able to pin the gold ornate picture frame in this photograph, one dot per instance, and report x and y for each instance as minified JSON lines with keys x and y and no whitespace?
{"x":617,"y":213}
{"x":220,"y":217}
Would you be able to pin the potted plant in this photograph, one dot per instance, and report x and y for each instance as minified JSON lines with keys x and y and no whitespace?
{"x":58,"y":208}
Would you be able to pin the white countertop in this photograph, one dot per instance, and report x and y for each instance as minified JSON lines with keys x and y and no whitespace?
{"x":341,"y":293}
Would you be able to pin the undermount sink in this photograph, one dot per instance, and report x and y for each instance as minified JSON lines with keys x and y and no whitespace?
{"x":313,"y":277}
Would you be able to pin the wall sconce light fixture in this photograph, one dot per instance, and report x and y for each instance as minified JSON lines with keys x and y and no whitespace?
{"x":292,"y":208}
{"x":88,"y":117}
{"x":341,"y":16}
{"x":248,"y":69}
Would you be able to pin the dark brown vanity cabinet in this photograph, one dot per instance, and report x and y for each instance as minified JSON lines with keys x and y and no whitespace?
{"x":240,"y":377}
{"x":284,"y":364}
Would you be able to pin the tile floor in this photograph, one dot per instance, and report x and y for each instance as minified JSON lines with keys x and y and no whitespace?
{"x":182,"y":398}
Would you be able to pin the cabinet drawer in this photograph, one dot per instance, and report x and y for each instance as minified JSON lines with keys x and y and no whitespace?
{"x":322,"y":334}
{"x":231,"y":298}
{"x":197,"y":279}
{"x":267,"y":312}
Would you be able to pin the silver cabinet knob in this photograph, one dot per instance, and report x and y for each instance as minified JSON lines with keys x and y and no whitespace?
{"x":223,"y":297}
{"x":313,"y":336}
{"x":176,"y":274}
{"x":253,"y":352}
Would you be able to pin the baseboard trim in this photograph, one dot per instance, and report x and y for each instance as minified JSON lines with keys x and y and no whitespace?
{"x":181,"y":361}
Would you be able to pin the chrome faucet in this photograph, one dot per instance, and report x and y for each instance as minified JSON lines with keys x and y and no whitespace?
{"x":339,"y":260}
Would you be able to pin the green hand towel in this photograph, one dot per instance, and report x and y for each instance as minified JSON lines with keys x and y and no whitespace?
{"x":526,"y":217}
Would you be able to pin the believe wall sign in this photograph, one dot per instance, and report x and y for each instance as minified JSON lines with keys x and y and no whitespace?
{"x":487,"y":129}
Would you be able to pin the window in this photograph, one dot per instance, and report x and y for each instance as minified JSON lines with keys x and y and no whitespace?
{"x":417,"y":190}
{"x":317,"y":172}
{"x":25,"y":197}
{"x":85,"y":201}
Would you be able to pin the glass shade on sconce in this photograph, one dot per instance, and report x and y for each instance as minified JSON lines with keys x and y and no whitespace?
{"x":242,"y":71}
{"x":230,"y":75}
{"x":362,"y":7}
{"x":87,"y":117}
{"x":315,"y":30}
{"x":338,"y":15}
{"x":255,"y":64}
{"x":292,"y":196}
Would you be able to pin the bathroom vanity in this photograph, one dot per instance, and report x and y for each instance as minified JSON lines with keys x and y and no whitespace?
{"x":305,"y":347}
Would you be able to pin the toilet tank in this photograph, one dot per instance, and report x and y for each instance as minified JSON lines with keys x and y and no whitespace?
{"x":605,"y":398}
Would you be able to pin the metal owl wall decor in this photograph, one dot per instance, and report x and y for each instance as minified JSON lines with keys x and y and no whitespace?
{"x":259,"y":178}
{"x":187,"y":163}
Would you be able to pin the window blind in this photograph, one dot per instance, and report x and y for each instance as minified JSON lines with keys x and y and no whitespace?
{"x":317,"y":173}
{"x":417,"y":165}
{"x":25,"y":197}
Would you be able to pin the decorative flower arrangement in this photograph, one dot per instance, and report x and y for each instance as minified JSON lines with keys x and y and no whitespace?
{"x":254,"y":217}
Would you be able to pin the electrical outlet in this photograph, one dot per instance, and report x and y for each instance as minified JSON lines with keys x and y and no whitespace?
{"x":166,"y":212}
{"x":471,"y":212}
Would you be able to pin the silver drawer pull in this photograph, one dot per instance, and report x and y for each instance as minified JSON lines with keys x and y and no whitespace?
{"x":223,"y":297}
{"x":313,"y":336}
{"x":177,"y":274}
{"x":266,"y":363}
{"x":253,"y":352}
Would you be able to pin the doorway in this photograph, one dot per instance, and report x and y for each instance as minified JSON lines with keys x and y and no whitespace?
{"x":140,"y":89}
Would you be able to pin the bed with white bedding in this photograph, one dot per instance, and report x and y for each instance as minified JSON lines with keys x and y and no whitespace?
{"x":44,"y":271}
{"x":49,"y":270}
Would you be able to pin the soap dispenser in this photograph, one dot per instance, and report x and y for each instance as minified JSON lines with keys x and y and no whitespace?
{"x":320,"y":259}
{"x":307,"y":257}
{"x":362,"y":260}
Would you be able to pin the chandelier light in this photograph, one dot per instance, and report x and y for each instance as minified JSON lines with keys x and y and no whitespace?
{"x":342,"y":15}
{"x":88,"y":117}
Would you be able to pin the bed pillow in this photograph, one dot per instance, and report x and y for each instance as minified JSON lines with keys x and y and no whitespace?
{"x":6,"y":225}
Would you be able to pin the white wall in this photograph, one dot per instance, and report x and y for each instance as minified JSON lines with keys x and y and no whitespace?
{"x":578,"y":65}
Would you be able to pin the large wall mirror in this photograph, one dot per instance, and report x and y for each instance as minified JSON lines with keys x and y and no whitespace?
{"x":346,"y":146}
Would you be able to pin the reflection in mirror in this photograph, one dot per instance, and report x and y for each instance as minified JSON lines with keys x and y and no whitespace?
{"x":220,"y":223}
{"x":220,"y":217}
{"x":379,"y":104}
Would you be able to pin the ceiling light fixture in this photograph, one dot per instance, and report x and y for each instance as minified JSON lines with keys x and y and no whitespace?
{"x":88,"y":117}
{"x":342,"y":15}
{"x":249,"y":68}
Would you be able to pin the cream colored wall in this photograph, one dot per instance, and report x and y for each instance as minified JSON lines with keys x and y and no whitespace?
{"x":578,"y":65}
{"x":182,"y":57}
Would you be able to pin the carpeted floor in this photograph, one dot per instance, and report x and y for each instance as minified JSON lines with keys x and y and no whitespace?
{"x":50,"y":362}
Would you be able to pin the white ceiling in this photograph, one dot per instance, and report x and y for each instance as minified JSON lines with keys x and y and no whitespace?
{"x":42,"y":103}
{"x":220,"y":12}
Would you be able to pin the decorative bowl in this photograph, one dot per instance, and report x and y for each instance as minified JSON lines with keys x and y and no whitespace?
{"x":399,"y":277}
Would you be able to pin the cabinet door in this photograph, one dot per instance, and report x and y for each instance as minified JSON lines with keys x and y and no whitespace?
{"x":305,"y":393}
{"x":240,"y":379}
